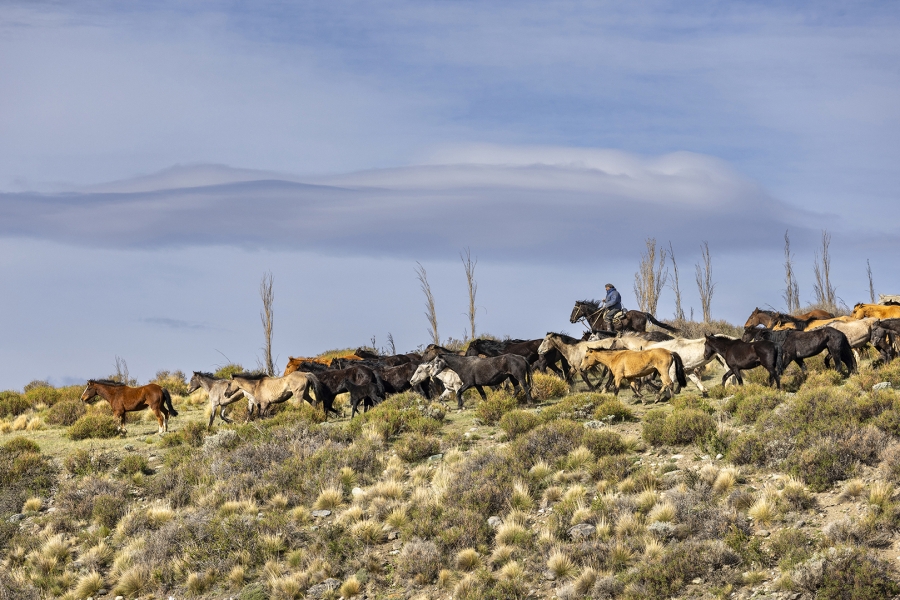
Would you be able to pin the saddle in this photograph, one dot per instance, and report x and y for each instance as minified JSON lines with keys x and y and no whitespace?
{"x":617,"y":317}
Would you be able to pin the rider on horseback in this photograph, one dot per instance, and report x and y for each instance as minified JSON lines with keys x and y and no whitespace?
{"x":612,"y":304}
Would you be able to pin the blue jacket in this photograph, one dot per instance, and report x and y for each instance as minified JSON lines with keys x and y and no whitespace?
{"x":613,"y":299}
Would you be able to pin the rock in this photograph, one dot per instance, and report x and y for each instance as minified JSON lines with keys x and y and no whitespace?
{"x":120,"y":597}
{"x":582,"y":531}
{"x":549,"y":575}
{"x":393,"y":535}
{"x":595,"y":424}
{"x":719,"y":457}
{"x":318,"y":591}
{"x":661,"y":529}
{"x":357,"y":491}
{"x":677,"y":456}
{"x":320,"y":513}
{"x":16,"y":518}
{"x":763,"y":533}
{"x":696,"y":581}
{"x":435,"y":457}
{"x":884,"y":385}
{"x":495,"y":522}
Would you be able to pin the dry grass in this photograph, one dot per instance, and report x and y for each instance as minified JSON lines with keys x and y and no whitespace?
{"x":329,"y":499}
{"x":33,"y":504}
{"x":468,"y":559}
{"x":561,"y":564}
{"x":763,"y":510}
{"x":351,"y":587}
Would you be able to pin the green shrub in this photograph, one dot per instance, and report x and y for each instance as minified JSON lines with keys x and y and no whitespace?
{"x":43,"y":394}
{"x":790,"y":547}
{"x":823,"y":463}
{"x":746,"y":449}
{"x":750,"y":403}
{"x":13,"y":404}
{"x":134,"y":463}
{"x":498,"y":404}
{"x":612,"y":468}
{"x":94,"y":425}
{"x":416,"y":446}
{"x":193,"y":433}
{"x":517,"y":422}
{"x":107,"y":510}
{"x":853,"y":574}
{"x":614,"y":409}
{"x":81,"y":462}
{"x":692,"y":401}
{"x":679,"y":427}
{"x":575,"y":406}
{"x":174,"y":381}
{"x":549,"y":442}
{"x":66,"y":412}
{"x":545,"y":386}
{"x":420,"y":559}
{"x":20,"y":444}
{"x":603,"y":443}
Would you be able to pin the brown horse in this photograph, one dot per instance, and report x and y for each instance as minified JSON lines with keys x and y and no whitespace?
{"x":123,"y":399}
{"x":632,"y":320}
{"x":770,"y":318}
{"x":879,"y":311}
{"x":811,"y":324}
{"x":294,"y":362}
{"x":632,"y":364}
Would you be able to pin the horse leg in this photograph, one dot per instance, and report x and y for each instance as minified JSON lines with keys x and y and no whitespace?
{"x":212,"y":413}
{"x":481,"y":392}
{"x":587,"y":381}
{"x":222,"y":415}
{"x":727,"y":374}
{"x":695,"y":377}
{"x":121,"y":416}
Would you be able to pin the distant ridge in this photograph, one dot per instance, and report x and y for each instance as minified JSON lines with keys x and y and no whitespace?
{"x":188,"y":176}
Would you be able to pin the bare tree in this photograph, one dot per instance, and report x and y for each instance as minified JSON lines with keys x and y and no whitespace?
{"x":792,"y":289}
{"x":679,"y":312}
{"x":122,"y":375}
{"x":650,"y":277}
{"x":826,"y":295}
{"x":267,"y":315}
{"x":430,"y":312}
{"x":469,"y":265}
{"x":704,"y":281}
{"x":871,"y":284}
{"x":391,"y":347}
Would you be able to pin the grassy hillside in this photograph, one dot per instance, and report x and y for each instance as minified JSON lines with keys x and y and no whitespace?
{"x":749,"y":492}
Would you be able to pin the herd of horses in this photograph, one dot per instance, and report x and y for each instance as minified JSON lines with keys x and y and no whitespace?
{"x":627,"y":353}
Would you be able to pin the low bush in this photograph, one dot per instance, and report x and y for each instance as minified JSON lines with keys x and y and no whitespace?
{"x":748,"y":403}
{"x":66,"y":412}
{"x":19,"y":445}
{"x":517,"y":422}
{"x":614,"y":410}
{"x":548,"y":442}
{"x":575,"y":406}
{"x":852,"y":573}
{"x":42,"y":394}
{"x":174,"y":381}
{"x":134,"y":463}
{"x":546,"y":386}
{"x":416,"y":446}
{"x":746,"y":449}
{"x":498,"y":404}
{"x":13,"y":404}
{"x":603,"y":443}
{"x":679,"y":427}
{"x":419,"y":560}
{"x":94,"y":425}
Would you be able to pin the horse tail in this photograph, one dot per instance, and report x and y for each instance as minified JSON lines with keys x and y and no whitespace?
{"x":679,"y":370}
{"x":779,"y":359}
{"x":847,"y":355}
{"x":379,"y":388}
{"x":316,"y":386}
{"x":653,"y":320}
{"x":167,"y":399}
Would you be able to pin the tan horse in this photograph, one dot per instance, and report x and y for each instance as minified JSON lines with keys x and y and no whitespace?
{"x":632,"y":364}
{"x":814,"y":324}
{"x":123,"y":399}
{"x":294,"y":362}
{"x":879,"y":311}
{"x":263,"y":391}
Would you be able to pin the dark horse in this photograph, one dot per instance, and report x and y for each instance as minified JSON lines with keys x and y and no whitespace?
{"x":528,"y":349}
{"x":475,"y":372}
{"x":797,"y":345}
{"x":123,"y":399}
{"x":361,"y":382}
{"x":740,"y":355}
{"x":633,"y":320}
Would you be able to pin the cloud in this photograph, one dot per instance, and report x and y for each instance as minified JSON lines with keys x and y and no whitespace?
{"x":174,"y":323}
{"x":517,"y":204}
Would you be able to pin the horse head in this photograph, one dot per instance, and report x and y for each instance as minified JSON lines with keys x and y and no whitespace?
{"x":195,"y":383}
{"x":577,"y":312}
{"x":90,"y":391}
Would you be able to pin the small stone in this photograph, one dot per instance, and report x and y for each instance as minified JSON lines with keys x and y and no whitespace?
{"x":677,"y":456}
{"x":549,"y":575}
{"x":129,"y":447}
{"x":435,"y":457}
{"x":393,"y":535}
{"x":120,"y":597}
{"x":595,"y":424}
{"x":320,"y":513}
{"x":696,"y":581}
{"x":884,"y":385}
{"x":718,"y":457}
{"x":394,"y":552}
{"x":494,"y":522}
{"x":582,"y":531}
{"x":763,"y":533}
{"x":663,"y":530}
{"x":319,"y":590}
{"x":357,"y":491}
{"x":16,"y":518}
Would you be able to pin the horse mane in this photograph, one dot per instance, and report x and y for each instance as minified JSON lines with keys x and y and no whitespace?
{"x":251,"y":376}
{"x":205,"y":374}
{"x":566,"y":338}
{"x":109,"y":382}
{"x":594,"y":303}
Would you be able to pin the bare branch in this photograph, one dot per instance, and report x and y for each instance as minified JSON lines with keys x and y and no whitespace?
{"x":392,"y":348}
{"x":430,"y":311}
{"x":871,"y":284}
{"x":792,"y":289}
{"x":469,"y":265}
{"x":650,"y":278}
{"x":704,"y":281}
{"x":679,"y":312}
{"x":826,"y":294}
{"x":267,"y":316}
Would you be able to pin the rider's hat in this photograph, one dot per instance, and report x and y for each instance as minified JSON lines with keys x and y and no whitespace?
{"x":609,"y":285}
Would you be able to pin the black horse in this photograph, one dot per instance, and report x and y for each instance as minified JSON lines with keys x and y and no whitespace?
{"x":361,"y":382}
{"x":885,"y":334}
{"x":527,"y":349}
{"x":740,"y":355}
{"x":633,"y":320}
{"x":797,"y":345}
{"x":478,"y":372}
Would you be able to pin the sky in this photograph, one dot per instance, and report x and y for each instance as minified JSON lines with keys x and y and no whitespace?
{"x":158,"y":158}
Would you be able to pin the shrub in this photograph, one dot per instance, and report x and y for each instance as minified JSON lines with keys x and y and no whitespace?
{"x":419,"y":559}
{"x":613,"y":409}
{"x":746,"y":449}
{"x":517,"y":422}
{"x":679,"y":427}
{"x":545,"y":386}
{"x":19,"y":445}
{"x":498,"y":404}
{"x":173,"y":381}
{"x":603,"y":443}
{"x":751,"y":401}
{"x":575,"y":406}
{"x":94,"y":425}
{"x":13,"y":404}
{"x":42,"y":394}
{"x":193,"y":433}
{"x":66,"y":412}
{"x":548,"y":442}
{"x":823,"y":463}
{"x":134,"y":463}
{"x":417,"y":446}
{"x":853,"y":573}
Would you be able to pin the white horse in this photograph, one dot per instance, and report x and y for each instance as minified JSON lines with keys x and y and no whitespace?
{"x":218,"y":399}
{"x":452,"y":382}
{"x":574,"y":351}
{"x":690,"y":351}
{"x":858,"y":332}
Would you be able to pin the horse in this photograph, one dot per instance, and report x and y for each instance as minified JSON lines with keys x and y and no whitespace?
{"x":859,"y":333}
{"x":432,"y":351}
{"x":573,"y":350}
{"x":771,"y":318}
{"x":452,"y":382}
{"x":634,"y":320}
{"x":123,"y":399}
{"x":478,"y":372}
{"x":295,"y":362}
{"x":218,"y":400}
{"x":883,"y":339}
{"x":262,"y":391}
{"x":528,"y":349}
{"x":809,"y":324}
{"x":879,"y":311}
{"x":361,"y":382}
{"x":632,"y":364}
{"x":797,"y":345}
{"x":739,"y":355}
{"x":690,"y":351}
{"x":396,"y":379}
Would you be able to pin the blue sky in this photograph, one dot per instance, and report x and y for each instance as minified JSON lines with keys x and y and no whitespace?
{"x":734,"y":121}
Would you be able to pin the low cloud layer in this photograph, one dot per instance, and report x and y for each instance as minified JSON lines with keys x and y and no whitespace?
{"x":512,"y":204}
